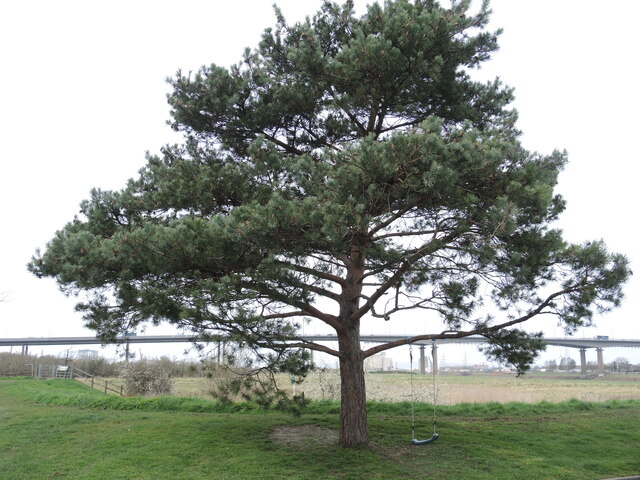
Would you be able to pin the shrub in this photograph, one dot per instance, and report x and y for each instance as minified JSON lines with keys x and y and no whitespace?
{"x":145,"y":378}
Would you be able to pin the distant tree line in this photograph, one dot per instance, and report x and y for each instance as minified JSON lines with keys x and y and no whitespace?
{"x":567,"y":364}
{"x":17,"y":364}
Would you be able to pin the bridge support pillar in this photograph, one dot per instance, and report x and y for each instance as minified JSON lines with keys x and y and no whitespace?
{"x":583,"y":361}
{"x":434,"y":356}
{"x":600,"y":361}
{"x":423,"y":369}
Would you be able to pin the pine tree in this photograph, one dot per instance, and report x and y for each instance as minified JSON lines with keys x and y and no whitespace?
{"x":348,"y":168}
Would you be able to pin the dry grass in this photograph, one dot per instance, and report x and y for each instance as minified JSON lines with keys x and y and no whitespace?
{"x":453,"y":389}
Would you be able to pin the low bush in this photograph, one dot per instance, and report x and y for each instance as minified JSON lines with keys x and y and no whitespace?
{"x":145,"y":378}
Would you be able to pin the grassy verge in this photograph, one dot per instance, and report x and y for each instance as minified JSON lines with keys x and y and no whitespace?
{"x":55,"y":392}
{"x":61,"y":429}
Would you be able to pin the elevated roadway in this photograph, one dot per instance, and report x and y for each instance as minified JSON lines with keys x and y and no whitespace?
{"x":582,"y":344}
{"x":559,"y":342}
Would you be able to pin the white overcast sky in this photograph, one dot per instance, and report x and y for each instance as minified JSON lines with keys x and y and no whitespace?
{"x":83,"y":97}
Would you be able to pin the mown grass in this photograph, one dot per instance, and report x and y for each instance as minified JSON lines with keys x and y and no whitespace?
{"x":62,"y":429}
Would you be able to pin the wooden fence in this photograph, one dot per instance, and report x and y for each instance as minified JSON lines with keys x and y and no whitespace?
{"x":17,"y":370}
{"x":101,"y":384}
{"x":62,"y":371}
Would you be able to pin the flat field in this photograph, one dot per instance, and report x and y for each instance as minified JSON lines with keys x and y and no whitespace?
{"x":455,"y":389}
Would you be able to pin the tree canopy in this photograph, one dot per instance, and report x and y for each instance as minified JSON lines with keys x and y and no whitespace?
{"x":347,"y":168}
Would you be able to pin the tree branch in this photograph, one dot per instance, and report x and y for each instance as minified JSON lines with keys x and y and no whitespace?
{"x":282,"y":144}
{"x":301,"y":343}
{"x":311,"y":271}
{"x":304,"y":307}
{"x":483,"y":330}
{"x":405,"y":234}
{"x":426,"y":249}
{"x":390,"y":220}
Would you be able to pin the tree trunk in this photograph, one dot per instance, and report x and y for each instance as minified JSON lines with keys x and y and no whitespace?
{"x":353,"y":411}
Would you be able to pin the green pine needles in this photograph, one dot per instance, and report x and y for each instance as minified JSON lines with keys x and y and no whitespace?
{"x":348,"y":168}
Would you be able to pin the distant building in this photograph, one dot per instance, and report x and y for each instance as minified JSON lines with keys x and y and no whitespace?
{"x":87,"y":354}
{"x":378,"y":363}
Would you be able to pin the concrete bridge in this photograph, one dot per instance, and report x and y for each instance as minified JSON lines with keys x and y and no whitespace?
{"x":599,"y":343}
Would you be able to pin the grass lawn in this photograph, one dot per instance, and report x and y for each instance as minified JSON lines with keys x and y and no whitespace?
{"x":45,"y":436}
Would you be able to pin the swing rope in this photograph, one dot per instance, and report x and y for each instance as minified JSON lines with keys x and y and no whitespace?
{"x":413,"y":415}
{"x":435,"y":436}
{"x":435,"y":387}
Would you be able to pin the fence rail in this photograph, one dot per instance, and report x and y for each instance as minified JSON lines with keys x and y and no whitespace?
{"x":17,"y":370}
{"x":101,"y":384}
{"x":62,"y":371}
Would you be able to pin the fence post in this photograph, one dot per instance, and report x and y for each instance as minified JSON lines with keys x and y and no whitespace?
{"x":105,"y":387}
{"x":91,"y":382}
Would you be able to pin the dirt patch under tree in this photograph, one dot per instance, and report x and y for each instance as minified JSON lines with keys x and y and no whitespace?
{"x":304,"y":435}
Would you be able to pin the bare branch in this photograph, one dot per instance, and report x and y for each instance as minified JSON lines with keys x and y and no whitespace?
{"x":426,"y":249}
{"x":481,"y":330}
{"x":304,"y":307}
{"x":389,"y":221}
{"x":301,"y":343}
{"x":276,"y":316}
{"x":406,"y":234}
